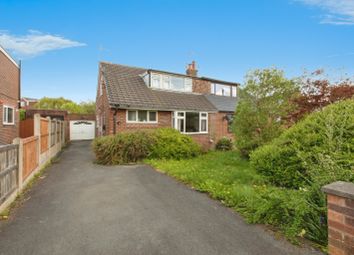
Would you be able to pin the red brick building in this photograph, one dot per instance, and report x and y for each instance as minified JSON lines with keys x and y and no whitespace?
{"x":131,"y":98}
{"x":9,"y":97}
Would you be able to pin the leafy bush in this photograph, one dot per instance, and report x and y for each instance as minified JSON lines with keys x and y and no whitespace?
{"x":130,"y":147}
{"x":224,"y":144}
{"x":264,"y":104}
{"x":171,"y":144}
{"x":317,"y":150}
{"x":123,"y":148}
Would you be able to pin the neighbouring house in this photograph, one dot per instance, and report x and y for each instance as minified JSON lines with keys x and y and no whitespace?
{"x":28,"y":103}
{"x":10,"y":79}
{"x":131,"y":98}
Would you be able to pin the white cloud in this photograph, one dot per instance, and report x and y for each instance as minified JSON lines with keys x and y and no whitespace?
{"x":34,"y":43}
{"x":339,"y":12}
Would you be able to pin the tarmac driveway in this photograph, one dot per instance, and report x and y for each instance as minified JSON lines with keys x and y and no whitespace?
{"x":83,"y":208}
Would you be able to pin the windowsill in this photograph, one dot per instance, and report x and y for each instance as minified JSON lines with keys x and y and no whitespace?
{"x":8,"y":124}
{"x":137,"y":122}
{"x":195,"y":133}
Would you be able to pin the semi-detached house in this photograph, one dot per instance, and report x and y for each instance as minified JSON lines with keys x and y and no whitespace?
{"x":130,"y":98}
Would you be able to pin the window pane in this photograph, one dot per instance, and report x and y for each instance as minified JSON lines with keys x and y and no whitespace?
{"x":212,"y":88}
{"x":142,"y":116}
{"x":234,"y":91}
{"x":180,"y":125}
{"x":204,"y":115}
{"x":192,"y":122}
{"x":165,"y":82}
{"x":155,"y":81}
{"x":132,"y":115}
{"x":203,"y":127}
{"x":188,"y":85}
{"x":180,"y":114}
{"x":10,"y":113}
{"x":152,"y":116}
{"x":177,"y":83}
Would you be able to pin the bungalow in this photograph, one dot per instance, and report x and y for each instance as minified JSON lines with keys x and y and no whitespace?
{"x":131,"y":98}
{"x":9,"y":97}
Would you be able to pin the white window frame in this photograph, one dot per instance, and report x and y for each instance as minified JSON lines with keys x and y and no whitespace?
{"x":5,"y":113}
{"x":142,"y":122}
{"x":176,"y":117}
{"x":162,"y":78}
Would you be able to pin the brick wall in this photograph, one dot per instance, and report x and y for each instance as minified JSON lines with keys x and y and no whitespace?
{"x":219,"y":126}
{"x":9,"y":96}
{"x":201,"y":86}
{"x":340,"y":204}
{"x":164,"y":119}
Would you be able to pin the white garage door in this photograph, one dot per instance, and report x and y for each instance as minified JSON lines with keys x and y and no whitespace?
{"x":82,"y":130}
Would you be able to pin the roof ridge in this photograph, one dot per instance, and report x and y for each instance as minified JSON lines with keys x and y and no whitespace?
{"x":114,"y":64}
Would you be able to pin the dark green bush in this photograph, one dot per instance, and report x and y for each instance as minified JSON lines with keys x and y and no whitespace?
{"x":123,"y":148}
{"x":224,"y":144}
{"x":130,"y":147}
{"x":318,"y":150}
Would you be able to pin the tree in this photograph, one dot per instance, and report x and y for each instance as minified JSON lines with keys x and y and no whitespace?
{"x":317,"y":92}
{"x":263,"y":105}
{"x":66,"y":104}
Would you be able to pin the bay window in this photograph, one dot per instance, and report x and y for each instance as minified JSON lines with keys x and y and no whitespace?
{"x":190,"y":122}
{"x":141,"y":116}
{"x":8,"y":115}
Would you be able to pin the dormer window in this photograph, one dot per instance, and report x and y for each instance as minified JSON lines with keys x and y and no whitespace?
{"x":223,"y":90}
{"x":171,"y":82}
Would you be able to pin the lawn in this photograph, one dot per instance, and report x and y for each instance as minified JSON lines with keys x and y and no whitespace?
{"x":229,"y":178}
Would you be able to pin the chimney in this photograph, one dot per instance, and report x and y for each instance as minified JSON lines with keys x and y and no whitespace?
{"x":191,"y":69}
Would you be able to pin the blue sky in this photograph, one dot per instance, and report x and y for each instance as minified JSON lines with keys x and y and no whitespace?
{"x":61,"y":42}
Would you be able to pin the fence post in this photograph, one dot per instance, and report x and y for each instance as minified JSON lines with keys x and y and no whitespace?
{"x":49,"y":134}
{"x":340,"y":205}
{"x":19,"y":142}
{"x":37,"y":132}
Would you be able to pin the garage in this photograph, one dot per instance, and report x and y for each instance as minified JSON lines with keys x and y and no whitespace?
{"x":82,"y":130}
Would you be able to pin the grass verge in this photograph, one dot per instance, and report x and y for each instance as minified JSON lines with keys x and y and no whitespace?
{"x":227,"y":177}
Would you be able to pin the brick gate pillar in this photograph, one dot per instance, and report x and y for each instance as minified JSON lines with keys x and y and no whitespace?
{"x":340,"y":204}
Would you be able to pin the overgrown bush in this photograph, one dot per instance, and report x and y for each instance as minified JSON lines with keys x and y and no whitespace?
{"x":130,"y":147}
{"x":171,"y":144}
{"x":224,"y":144}
{"x":318,"y":150}
{"x":123,"y":148}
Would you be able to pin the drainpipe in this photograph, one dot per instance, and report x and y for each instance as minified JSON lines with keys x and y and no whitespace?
{"x":116,"y":107}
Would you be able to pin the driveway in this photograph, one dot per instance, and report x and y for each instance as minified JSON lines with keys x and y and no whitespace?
{"x":83,"y":208}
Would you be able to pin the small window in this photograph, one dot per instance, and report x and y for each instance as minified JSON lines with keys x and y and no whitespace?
{"x":8,"y":115}
{"x":152,"y":116}
{"x":155,"y":81}
{"x":191,"y":122}
{"x":131,"y":115}
{"x":203,"y":122}
{"x":141,"y":116}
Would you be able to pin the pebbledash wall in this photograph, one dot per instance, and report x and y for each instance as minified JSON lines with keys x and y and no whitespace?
{"x":9,"y":96}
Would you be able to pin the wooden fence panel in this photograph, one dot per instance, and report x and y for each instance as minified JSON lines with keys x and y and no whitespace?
{"x":8,"y":171}
{"x":52,"y":133}
{"x":26,"y":128}
{"x":30,"y":158}
{"x":44,"y":135}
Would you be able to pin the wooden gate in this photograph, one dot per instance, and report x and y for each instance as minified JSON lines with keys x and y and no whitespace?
{"x":8,"y":170}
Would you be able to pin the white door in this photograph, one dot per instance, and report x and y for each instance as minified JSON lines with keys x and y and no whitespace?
{"x":82,"y":130}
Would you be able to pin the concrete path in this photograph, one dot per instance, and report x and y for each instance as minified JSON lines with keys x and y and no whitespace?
{"x":82,"y":208}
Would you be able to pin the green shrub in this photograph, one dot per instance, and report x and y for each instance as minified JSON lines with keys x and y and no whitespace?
{"x":131,"y":147}
{"x":123,"y":148}
{"x":224,"y":144}
{"x":171,"y":144}
{"x":317,"y":150}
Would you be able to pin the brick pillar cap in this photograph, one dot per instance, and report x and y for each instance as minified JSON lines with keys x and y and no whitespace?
{"x":342,"y":189}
